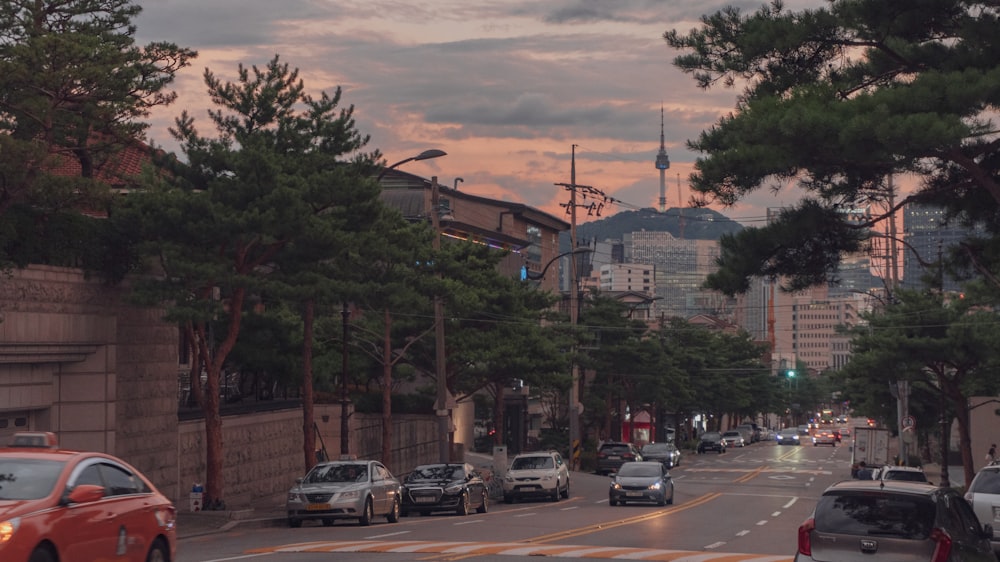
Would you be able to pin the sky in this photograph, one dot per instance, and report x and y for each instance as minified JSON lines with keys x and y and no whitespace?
{"x":514,"y":91}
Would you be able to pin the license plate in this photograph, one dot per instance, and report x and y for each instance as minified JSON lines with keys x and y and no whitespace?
{"x":633,"y":494}
{"x":424,"y":500}
{"x":317,"y":507}
{"x":614,"y":457}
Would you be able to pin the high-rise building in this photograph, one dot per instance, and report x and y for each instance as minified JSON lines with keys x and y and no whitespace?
{"x":681,"y":269}
{"x":928,"y":236}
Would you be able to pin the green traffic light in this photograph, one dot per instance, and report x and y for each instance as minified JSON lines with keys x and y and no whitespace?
{"x":790,"y":373}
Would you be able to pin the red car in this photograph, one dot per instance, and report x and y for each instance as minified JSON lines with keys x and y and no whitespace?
{"x":59,"y":505}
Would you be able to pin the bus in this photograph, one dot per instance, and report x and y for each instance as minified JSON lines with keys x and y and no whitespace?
{"x":827,"y":416}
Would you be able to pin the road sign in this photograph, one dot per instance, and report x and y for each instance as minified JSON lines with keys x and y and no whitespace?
{"x":908,"y":422}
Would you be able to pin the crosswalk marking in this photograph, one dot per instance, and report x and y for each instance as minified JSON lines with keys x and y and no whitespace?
{"x":521,"y":549}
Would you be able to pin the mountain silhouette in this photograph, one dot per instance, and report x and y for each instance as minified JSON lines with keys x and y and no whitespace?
{"x":698,"y":224}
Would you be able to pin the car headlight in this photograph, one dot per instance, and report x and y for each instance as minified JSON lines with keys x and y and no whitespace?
{"x":655,"y":486}
{"x":508,"y":478}
{"x":350,"y":494}
{"x":8,"y":528}
{"x":616,"y":486}
{"x":454,"y":488}
{"x":294,"y":497}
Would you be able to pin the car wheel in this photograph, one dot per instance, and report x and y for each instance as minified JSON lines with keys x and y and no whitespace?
{"x":484,"y":506}
{"x":555,"y":492}
{"x":671,"y":500}
{"x":463,"y":505}
{"x":327,"y":522}
{"x":393,"y":515}
{"x":294,"y":523}
{"x":42,"y":554}
{"x":612,"y":502}
{"x":367,"y":514}
{"x":662,"y":500}
{"x":565,"y":492}
{"x":158,"y":552}
{"x":508,"y":498}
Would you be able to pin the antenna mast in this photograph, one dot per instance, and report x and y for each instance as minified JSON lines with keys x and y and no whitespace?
{"x":662,"y":163}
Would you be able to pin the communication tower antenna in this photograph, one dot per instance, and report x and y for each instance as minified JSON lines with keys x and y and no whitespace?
{"x":662,"y":163}
{"x":680,"y":208}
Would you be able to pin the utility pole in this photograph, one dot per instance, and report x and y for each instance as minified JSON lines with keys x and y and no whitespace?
{"x":574,"y":312}
{"x":345,"y":399}
{"x":440,"y":367}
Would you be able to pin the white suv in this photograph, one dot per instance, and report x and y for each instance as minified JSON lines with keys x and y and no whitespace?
{"x":984,"y":495}
{"x":540,"y":474}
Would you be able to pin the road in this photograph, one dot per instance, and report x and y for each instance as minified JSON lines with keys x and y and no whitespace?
{"x":748,"y":502}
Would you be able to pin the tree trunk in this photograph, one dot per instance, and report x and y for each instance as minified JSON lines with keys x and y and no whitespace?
{"x":308,"y":409}
{"x":387,"y":390}
{"x":498,"y":414}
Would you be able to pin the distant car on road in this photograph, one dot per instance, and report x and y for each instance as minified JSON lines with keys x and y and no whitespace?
{"x":900,"y":473}
{"x":734,"y":439}
{"x":541,"y":474}
{"x":612,"y":454}
{"x":788,"y":436}
{"x":666,"y":453}
{"x":456,"y":487}
{"x":711,"y":441}
{"x":824,"y":437}
{"x":345,"y":489}
{"x":645,"y":481}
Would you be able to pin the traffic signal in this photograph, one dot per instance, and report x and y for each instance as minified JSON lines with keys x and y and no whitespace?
{"x":790,"y":373}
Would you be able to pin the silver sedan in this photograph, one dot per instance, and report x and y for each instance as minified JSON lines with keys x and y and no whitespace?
{"x":355,"y":489}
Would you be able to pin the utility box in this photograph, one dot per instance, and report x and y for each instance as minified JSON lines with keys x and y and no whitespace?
{"x":500,"y":461}
{"x":195,"y":500}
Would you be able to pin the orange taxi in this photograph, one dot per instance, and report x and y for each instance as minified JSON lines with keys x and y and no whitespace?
{"x":58,"y":505}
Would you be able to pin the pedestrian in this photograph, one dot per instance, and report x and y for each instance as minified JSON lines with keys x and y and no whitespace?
{"x":991,"y":456}
{"x":864,"y":473}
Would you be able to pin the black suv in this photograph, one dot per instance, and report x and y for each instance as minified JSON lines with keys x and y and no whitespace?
{"x":611,"y":455}
{"x":711,"y":441}
{"x":892,"y":520}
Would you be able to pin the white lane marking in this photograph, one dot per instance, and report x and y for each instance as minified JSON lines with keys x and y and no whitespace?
{"x":775,"y":514}
{"x":715,"y":545}
{"x":526,"y":515}
{"x":790,"y":503}
{"x":762,"y":522}
{"x":470,"y":522}
{"x":387,"y":535}
{"x":567,"y":508}
{"x":743,"y":532}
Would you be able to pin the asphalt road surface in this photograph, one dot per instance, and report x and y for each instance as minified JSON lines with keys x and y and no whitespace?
{"x":743,"y":505}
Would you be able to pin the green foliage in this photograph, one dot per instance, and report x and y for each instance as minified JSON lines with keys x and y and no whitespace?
{"x":371,"y":403}
{"x":838,"y":99}
{"x":73,"y":88}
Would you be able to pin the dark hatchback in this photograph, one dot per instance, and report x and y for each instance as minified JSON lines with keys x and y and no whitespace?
{"x":665,"y":453}
{"x":711,"y":441}
{"x":612,"y":454}
{"x":454,"y":487}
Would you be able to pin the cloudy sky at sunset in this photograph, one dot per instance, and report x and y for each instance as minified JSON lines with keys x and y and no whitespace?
{"x":505,"y":87}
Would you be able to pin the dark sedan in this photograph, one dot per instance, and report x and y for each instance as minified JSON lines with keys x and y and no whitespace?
{"x":643,"y":481}
{"x":444,"y":487}
{"x":711,"y":441}
{"x":665,"y":453}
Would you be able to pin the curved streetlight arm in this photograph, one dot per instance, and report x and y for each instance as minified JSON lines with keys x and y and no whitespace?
{"x":536,"y":276}
{"x":425,"y":155}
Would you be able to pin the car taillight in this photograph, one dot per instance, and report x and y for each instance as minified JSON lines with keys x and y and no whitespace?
{"x":601,"y":455}
{"x":805,"y":531}
{"x":943,"y":548}
{"x":628,"y":456}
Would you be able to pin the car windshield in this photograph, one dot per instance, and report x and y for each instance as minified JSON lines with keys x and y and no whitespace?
{"x":731,"y":434}
{"x":986,"y":482}
{"x":532,"y":463}
{"x":616,"y":449}
{"x":639,"y":469}
{"x":710,"y":436}
{"x":876,"y":513}
{"x":789,"y":432}
{"x":438,"y":472}
{"x":28,"y":479}
{"x":656,"y":448}
{"x":337,"y":473}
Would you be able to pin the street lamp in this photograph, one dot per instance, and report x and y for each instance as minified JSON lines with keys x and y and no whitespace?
{"x":425,"y":155}
{"x":541,"y":274}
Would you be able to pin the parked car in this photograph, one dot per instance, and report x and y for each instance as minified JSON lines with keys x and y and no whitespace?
{"x":734,"y":438}
{"x":666,"y":453}
{"x":888,"y":520}
{"x":644,"y":481}
{"x":711,"y":441}
{"x":345,"y":489}
{"x":612,"y":454}
{"x":454,"y":487}
{"x":788,"y":436}
{"x":984,"y":495}
{"x":57,"y":504}
{"x":900,"y":473}
{"x":540,"y":474}
{"x":824,"y":437}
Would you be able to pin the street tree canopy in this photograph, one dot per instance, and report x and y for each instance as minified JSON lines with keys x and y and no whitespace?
{"x":839,"y":99}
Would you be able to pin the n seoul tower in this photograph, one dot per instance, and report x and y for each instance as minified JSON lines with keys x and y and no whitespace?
{"x":662,"y":163}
